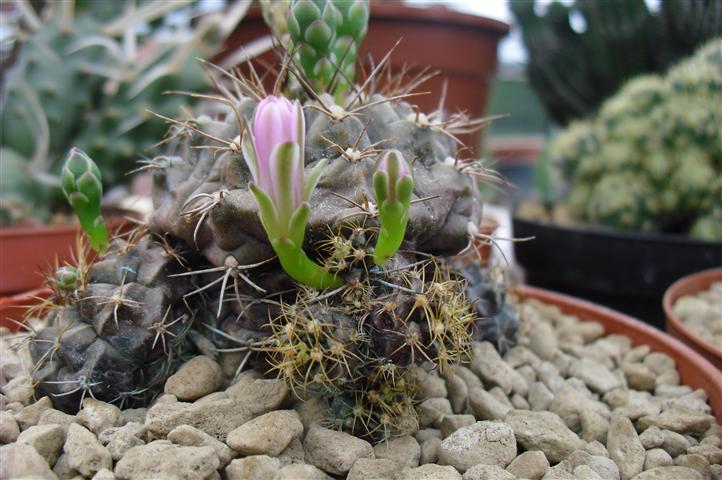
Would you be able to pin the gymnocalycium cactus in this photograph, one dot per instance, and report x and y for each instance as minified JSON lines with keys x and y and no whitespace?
{"x":652,"y":159}
{"x":310,"y":233}
{"x":83,"y":187}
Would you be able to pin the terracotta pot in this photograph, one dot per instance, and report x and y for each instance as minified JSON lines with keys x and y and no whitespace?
{"x":461,"y":46}
{"x":689,"y":285}
{"x":694,"y":370}
{"x":14,"y":308}
{"x":26,"y":251}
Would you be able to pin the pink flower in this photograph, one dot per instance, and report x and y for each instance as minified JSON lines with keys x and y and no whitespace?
{"x":394,"y":169}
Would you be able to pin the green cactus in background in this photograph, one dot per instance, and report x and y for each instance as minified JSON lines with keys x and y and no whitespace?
{"x":652,"y":158}
{"x":326,"y":35}
{"x":574,"y":47}
{"x":87,"y":77}
{"x":83,"y":187}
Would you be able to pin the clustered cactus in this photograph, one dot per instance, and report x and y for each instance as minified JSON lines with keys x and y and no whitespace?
{"x":651,"y":160}
{"x":313,"y":237}
{"x":85,"y":76}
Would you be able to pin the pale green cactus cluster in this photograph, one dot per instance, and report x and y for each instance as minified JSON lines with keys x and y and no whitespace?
{"x":326,"y":37}
{"x":651,"y":159}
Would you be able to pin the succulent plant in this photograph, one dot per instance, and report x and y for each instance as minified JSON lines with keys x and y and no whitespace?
{"x":574,"y":62}
{"x":313,"y":236}
{"x":83,"y":79}
{"x":651,"y":159}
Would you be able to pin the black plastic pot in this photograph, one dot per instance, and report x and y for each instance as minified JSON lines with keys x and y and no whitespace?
{"x":624,"y":270}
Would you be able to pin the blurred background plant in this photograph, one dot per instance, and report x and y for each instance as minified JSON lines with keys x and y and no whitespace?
{"x":581,"y":52}
{"x":651,"y":160}
{"x":88,"y":74}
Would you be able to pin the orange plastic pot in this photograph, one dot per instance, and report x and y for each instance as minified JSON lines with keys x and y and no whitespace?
{"x":694,"y":370}
{"x":689,"y":285}
{"x":27,"y":251}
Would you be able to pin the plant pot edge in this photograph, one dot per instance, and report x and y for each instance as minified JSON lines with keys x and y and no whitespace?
{"x":689,"y":284}
{"x":695,"y":370}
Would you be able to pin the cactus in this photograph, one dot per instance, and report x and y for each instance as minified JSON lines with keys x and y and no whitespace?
{"x":84,"y":79}
{"x":327,"y":36}
{"x":651,"y":158}
{"x":315,"y":238}
{"x":574,"y":71}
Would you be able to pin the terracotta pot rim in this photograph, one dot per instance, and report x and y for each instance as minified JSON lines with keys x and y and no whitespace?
{"x":50,"y":230}
{"x":695,"y":362}
{"x":438,"y":14}
{"x":679,"y":289}
{"x":608,"y":232}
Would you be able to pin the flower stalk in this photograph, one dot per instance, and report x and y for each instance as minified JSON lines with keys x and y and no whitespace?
{"x":83,"y":188}
{"x":274,"y":153}
{"x":393,"y":185}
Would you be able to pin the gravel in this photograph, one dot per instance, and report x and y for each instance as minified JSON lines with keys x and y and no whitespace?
{"x":567,"y":402}
{"x":702,"y":313}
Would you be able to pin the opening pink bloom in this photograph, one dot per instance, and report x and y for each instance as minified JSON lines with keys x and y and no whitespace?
{"x":278,"y":122}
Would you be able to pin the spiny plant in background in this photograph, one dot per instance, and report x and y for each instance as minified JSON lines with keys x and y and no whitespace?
{"x":85,"y":75}
{"x":652,"y":159}
{"x":574,"y":61}
{"x":311,"y":234}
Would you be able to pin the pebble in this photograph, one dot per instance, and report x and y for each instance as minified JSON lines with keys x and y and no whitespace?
{"x":19,"y":389}
{"x":63,"y":470}
{"x":430,"y":451}
{"x":197,"y":377}
{"x":256,"y":467}
{"x":299,"y":471}
{"x":657,"y":457}
{"x":625,"y":448}
{"x":163,"y":459}
{"x":405,"y":451}
{"x":486,"y":406}
{"x":217,"y":418}
{"x":452,"y":423}
{"x":120,"y":440}
{"x":188,"y":436}
{"x":333,"y":451}
{"x":544,"y":431}
{"x":659,"y":362}
{"x":669,"y":473}
{"x":543,"y":341}
{"x":540,"y":397}
{"x":260,"y":395}
{"x":696,"y":462}
{"x":488,"y":364}
{"x":30,"y":415}
{"x":22,"y":461}
{"x":531,"y":465}
{"x":84,"y":453}
{"x":595,"y":375}
{"x":602,"y":466}
{"x":469,"y":377}
{"x":458,"y":393}
{"x":373,"y":469}
{"x":432,"y":411}
{"x":96,"y":416}
{"x":487,"y":472}
{"x":680,"y":421}
{"x":490,"y":443}
{"x":57,"y":417}
{"x":639,"y":376}
{"x":9,"y":429}
{"x":429,"y":472}
{"x":432,"y":387}
{"x":268,"y":434}
{"x":104,"y":474}
{"x":47,"y":440}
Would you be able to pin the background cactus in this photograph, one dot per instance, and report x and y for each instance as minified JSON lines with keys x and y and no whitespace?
{"x":574,"y":71}
{"x":88,"y":77}
{"x":353,"y":344}
{"x":652,"y":159}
